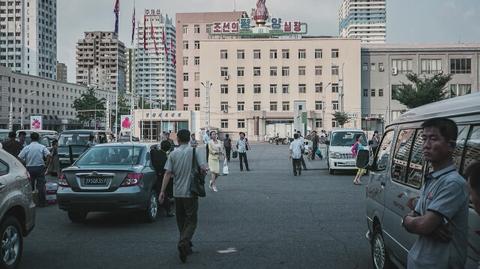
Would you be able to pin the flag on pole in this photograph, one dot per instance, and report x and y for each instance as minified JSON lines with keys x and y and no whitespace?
{"x":133,"y":25}
{"x":144,"y":32}
{"x":172,"y":51}
{"x":116,"y":10}
{"x":152,"y":33}
{"x":164,"y":41}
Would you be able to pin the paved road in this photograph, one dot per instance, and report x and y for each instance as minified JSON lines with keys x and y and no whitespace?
{"x":269,"y":219}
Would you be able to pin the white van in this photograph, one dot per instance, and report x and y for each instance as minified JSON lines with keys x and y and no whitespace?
{"x":397,"y":174}
{"x":339,"y":149}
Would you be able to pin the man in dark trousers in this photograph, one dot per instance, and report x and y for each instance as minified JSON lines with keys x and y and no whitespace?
{"x":315,"y":141}
{"x":159,"y":158}
{"x":300,"y":137}
{"x":242,"y":147}
{"x":227,"y":143}
{"x":12,"y":146}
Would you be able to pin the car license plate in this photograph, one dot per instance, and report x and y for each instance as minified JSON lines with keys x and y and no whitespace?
{"x":95,"y":181}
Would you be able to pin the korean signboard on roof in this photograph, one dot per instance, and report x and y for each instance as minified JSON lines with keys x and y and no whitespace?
{"x":246,"y":26}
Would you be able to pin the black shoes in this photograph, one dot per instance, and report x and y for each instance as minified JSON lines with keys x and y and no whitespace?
{"x":183,"y":253}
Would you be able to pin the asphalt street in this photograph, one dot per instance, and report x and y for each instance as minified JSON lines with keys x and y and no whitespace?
{"x":265,"y":218}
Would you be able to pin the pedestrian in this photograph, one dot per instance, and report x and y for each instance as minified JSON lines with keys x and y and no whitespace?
{"x":323,"y":137}
{"x":193,"y":141}
{"x":179,"y":165}
{"x":296,"y":148}
{"x":315,"y":141}
{"x":215,"y":149}
{"x":33,"y":156}
{"x":12,"y":146}
{"x":22,"y":138}
{"x":227,"y":144}
{"x":91,"y":141}
{"x":375,"y":142}
{"x":473,"y":175}
{"x":303,"y":149}
{"x":440,"y":218}
{"x":159,"y":158}
{"x":167,"y":138}
{"x":206,"y":139}
{"x":355,"y":149}
{"x":53,"y":164}
{"x":242,"y":147}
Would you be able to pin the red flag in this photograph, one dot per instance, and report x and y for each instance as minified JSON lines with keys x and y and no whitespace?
{"x":152,"y":34}
{"x":144,"y":32}
{"x":172,"y":51}
{"x":116,"y":10}
{"x":164,"y":41}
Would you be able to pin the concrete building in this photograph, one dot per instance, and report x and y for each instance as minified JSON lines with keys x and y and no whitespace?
{"x":192,"y":28}
{"x":62,"y":74}
{"x":155,"y":75}
{"x":363,"y":19}
{"x":36,"y":96}
{"x":257,"y":83}
{"x":28,"y":36}
{"x":100,"y":59}
{"x":130,"y":79}
{"x":384,"y":68}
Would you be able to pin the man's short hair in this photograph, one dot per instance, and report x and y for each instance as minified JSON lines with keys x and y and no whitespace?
{"x":54,"y":142}
{"x":22,"y":133}
{"x":296,"y":136}
{"x":473,"y":174}
{"x":165,"y":145}
{"x":12,"y":135}
{"x":242,"y":133}
{"x":376,"y":132}
{"x":34,"y":136}
{"x":183,"y":136}
{"x":447,"y":128}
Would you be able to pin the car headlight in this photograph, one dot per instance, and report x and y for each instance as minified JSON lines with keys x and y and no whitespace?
{"x":336,"y":155}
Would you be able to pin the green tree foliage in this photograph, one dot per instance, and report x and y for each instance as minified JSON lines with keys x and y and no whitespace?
{"x":423,"y":90}
{"x":89,"y":107}
{"x":341,"y":118}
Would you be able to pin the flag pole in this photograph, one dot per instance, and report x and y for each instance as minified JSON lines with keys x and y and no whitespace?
{"x":117,"y":13}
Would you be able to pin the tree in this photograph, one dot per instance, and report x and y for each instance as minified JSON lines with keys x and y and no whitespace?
{"x":89,"y":107}
{"x":341,"y":118}
{"x":423,"y":91}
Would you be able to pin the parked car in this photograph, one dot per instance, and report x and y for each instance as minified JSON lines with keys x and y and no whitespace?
{"x":397,"y":174}
{"x":4,"y":134}
{"x":46,"y":136}
{"x":339,"y":149}
{"x":110,"y":177}
{"x":72,"y":143}
{"x":17,"y":209}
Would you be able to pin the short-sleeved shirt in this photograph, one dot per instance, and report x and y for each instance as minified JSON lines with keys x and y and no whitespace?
{"x":444,"y":192}
{"x":242,"y":145}
{"x":34,"y":154}
{"x":296,"y":147}
{"x":12,"y":146}
{"x":180,"y":164}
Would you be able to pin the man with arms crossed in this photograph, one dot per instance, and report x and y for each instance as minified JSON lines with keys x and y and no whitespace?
{"x":440,"y":218}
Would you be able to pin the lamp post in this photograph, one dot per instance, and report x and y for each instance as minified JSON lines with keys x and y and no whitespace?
{"x":208,"y":85}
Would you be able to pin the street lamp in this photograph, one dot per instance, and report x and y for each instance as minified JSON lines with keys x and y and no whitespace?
{"x":22,"y":108}
{"x":208,"y":85}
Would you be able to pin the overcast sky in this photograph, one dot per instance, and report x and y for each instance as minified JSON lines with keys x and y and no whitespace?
{"x":408,"y":21}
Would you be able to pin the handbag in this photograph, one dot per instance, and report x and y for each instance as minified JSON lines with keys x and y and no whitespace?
{"x":197,"y":183}
{"x":225,"y":168}
{"x":234,"y":154}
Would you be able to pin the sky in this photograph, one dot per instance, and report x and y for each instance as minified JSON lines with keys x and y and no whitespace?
{"x":408,"y":21}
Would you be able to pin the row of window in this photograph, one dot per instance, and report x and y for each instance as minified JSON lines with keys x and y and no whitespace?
{"x":274,"y":106}
{"x":455,"y":90}
{"x":274,"y":71}
{"x":38,"y":85}
{"x":427,"y":66}
{"x":373,"y":92}
{"x":43,"y":111}
{"x":301,"y":54}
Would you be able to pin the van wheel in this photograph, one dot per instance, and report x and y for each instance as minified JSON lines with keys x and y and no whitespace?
{"x":77,"y":216}
{"x":152,"y":209}
{"x":380,"y":257}
{"x":331,"y":171}
{"x":11,"y":244}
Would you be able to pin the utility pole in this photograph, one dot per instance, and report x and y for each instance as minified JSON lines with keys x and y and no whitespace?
{"x":207,"y":86}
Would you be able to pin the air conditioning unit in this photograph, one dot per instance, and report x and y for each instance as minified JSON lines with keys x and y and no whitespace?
{"x":227,"y":77}
{"x":394,"y":71}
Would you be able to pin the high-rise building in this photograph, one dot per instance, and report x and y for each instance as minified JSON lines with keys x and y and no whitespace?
{"x":62,"y":74}
{"x":192,"y":28}
{"x":28,"y":36}
{"x":130,"y":79}
{"x":363,"y":19}
{"x":155,"y":60}
{"x":100,"y":59}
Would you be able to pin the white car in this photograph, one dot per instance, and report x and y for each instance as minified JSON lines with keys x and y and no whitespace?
{"x":339,"y":150}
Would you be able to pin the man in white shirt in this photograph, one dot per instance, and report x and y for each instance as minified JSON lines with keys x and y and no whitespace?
{"x":302,"y":160}
{"x":33,"y":156}
{"x":242,"y":147}
{"x":296,"y":148}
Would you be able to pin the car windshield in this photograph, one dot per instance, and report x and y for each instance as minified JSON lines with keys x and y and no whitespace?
{"x":347,"y":139}
{"x":114,"y":155}
{"x":78,"y":139}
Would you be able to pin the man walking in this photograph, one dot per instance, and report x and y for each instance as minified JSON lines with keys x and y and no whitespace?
{"x":242,"y":147}
{"x":227,"y":144}
{"x":315,"y":141}
{"x":440,"y":218}
{"x":12,"y":146}
{"x":179,"y":165}
{"x":375,"y":142}
{"x":300,"y":137}
{"x":296,"y":148}
{"x":34,"y":156}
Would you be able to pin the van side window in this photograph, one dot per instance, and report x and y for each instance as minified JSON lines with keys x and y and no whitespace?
{"x":416,"y":164}
{"x":472,"y":150}
{"x":402,"y":152}
{"x":383,"y":155}
{"x":3,"y":169}
{"x":458,"y":152}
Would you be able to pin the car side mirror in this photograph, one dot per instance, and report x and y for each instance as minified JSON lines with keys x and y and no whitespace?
{"x":363,"y":158}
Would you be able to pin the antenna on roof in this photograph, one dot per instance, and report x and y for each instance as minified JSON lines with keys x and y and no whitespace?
{"x":234,"y":5}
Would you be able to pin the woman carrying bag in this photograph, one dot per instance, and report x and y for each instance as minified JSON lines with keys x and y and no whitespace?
{"x":215,"y":151}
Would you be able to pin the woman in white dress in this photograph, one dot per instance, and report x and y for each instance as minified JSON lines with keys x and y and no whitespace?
{"x":215,"y":151}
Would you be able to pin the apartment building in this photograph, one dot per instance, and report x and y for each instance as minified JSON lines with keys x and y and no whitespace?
{"x":363,"y":19}
{"x":62,"y":72}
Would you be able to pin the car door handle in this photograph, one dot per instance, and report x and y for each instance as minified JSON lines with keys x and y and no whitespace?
{"x":2,"y":186}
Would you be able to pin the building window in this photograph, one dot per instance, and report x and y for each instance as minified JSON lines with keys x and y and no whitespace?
{"x":240,"y":71}
{"x":257,"y":54}
{"x":301,"y":71}
{"x":185,"y":107}
{"x":380,"y":92}
{"x":240,"y":54}
{"x":335,"y":53}
{"x":335,"y":124}
{"x":318,"y":123}
{"x":402,"y":65}
{"x":197,"y":92}
{"x":286,"y":106}
{"x":224,"y":124}
{"x":335,"y":105}
{"x":241,"y":89}
{"x":334,"y":70}
{"x":372,"y":93}
{"x":185,"y":61}
{"x":224,"y":107}
{"x":273,"y":88}
{"x":319,"y":87}
{"x":460,"y":89}
{"x":302,"y":88}
{"x":197,"y":107}
{"x":223,"y":71}
{"x":285,"y":88}
{"x":209,"y":28}
{"x":197,"y":44}
{"x":241,"y":106}
{"x":273,"y":106}
{"x":286,"y":54}
{"x":185,"y":29}
{"x":318,"y":53}
{"x":185,"y":92}
{"x":196,"y":76}
{"x":302,"y":54}
{"x":318,"y":105}
{"x":241,"y":124}
{"x":285,"y":71}
{"x":318,"y":70}
{"x":381,"y":68}
{"x":256,"y":71}
{"x":460,"y":66}
{"x":431,"y":66}
{"x":223,"y":54}
{"x":273,"y":71}
{"x":224,"y":89}
{"x":185,"y":76}
{"x":257,"y":88}
{"x":273,"y":54}
{"x":256,"y":106}
{"x":196,"y":29}
{"x":365,"y":92}
{"x":334,"y":87}
{"x":197,"y":60}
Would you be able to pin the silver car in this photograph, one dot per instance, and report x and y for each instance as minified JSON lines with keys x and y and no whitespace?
{"x":17,"y":209}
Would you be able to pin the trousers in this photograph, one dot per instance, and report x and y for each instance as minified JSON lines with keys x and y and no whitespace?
{"x":297,"y":166}
{"x":186,"y":213}
{"x":37,"y":175}
{"x":243,"y":158}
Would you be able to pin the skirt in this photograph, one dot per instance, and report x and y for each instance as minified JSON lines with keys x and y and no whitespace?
{"x":214,"y":165}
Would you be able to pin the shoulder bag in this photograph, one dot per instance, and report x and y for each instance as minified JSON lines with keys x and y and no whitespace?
{"x":197,"y":183}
